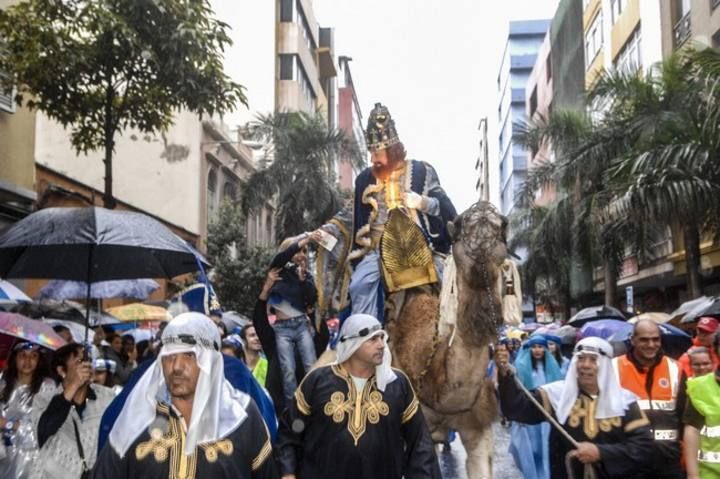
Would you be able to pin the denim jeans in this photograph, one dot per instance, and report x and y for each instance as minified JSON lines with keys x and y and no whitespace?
{"x":366,"y":278}
{"x":293,"y":335}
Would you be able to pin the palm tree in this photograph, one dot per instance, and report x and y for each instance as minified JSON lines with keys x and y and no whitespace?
{"x":585,"y":145}
{"x":546,"y":234}
{"x":301,"y":177}
{"x":672,"y":173}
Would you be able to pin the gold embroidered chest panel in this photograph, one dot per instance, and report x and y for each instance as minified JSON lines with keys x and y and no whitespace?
{"x":360,"y":408}
{"x":168,"y":445}
{"x":583,"y":415}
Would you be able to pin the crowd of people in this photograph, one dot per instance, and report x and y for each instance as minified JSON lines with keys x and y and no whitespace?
{"x":640,"y":414}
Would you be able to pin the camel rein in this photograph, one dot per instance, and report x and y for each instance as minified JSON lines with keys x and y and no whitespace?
{"x":589,"y":472}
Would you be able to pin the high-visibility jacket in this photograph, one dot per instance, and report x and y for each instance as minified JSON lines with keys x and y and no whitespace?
{"x":656,"y":388}
{"x":704,"y":392}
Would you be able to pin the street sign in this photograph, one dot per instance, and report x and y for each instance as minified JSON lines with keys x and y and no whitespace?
{"x":629,"y":298}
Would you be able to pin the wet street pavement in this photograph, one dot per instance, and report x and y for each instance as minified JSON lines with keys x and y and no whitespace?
{"x":452,"y":462}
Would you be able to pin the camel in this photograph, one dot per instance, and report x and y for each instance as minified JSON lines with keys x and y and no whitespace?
{"x":447,"y":365}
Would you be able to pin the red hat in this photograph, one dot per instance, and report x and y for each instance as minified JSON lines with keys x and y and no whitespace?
{"x":708,"y":324}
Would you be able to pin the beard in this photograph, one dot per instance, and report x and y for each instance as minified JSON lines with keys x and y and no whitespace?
{"x":382,"y":172}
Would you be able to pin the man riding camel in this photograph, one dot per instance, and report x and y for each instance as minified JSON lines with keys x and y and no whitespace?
{"x":399,"y":224}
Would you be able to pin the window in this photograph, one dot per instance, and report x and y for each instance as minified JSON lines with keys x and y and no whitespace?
{"x":593,"y":40}
{"x":629,"y":59}
{"x":286,"y":11}
{"x":533,"y":102}
{"x":682,"y":8}
{"x":548,"y":68}
{"x":212,"y":194}
{"x":305,"y":86}
{"x":305,"y":27}
{"x":229,"y":192}
{"x":7,"y":100}
{"x":286,"y":67}
{"x":268,"y":227}
{"x":616,"y":8}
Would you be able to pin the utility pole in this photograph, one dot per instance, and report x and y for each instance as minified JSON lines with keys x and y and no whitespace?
{"x":483,"y":166}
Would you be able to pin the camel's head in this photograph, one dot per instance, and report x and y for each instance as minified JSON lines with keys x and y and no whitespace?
{"x":479,"y":238}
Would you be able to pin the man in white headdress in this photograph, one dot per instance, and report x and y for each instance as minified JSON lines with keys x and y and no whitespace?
{"x":612,"y":431}
{"x":357,"y":418}
{"x":184,"y":419}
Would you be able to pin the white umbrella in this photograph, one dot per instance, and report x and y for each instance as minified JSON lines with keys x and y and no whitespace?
{"x":76,"y":329}
{"x":11,"y":293}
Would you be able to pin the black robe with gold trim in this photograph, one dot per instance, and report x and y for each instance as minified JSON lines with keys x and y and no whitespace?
{"x":334,"y":430}
{"x":625,"y":443}
{"x":157,"y":453}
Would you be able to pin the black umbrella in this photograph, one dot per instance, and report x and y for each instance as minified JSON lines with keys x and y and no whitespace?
{"x":93,"y":244}
{"x":595,"y":312}
{"x":709,"y":308}
{"x":63,"y":310}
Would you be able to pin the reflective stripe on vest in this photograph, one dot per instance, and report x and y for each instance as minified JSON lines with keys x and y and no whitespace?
{"x":707,"y":456}
{"x":646,"y":405}
{"x":713,"y":431}
{"x":666,"y":434}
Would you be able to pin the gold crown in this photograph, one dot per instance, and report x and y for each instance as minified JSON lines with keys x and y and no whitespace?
{"x":381,"y":132}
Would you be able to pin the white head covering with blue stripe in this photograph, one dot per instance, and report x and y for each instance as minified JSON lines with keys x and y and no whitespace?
{"x":218,"y":408}
{"x":357,"y":329}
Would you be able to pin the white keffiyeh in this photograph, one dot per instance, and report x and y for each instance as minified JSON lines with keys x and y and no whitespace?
{"x":357,"y":329}
{"x":613,"y":400}
{"x":218,"y":408}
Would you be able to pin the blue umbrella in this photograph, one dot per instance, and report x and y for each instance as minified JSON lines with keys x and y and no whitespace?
{"x":10,"y":292}
{"x":605,"y":328}
{"x":125,"y":288}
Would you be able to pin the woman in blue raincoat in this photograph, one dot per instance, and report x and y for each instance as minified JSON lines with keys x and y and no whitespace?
{"x":529,"y":444}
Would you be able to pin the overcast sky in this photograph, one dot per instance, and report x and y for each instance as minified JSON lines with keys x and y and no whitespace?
{"x":434,"y":63}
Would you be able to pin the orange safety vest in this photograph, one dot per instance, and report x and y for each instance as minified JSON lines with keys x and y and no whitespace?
{"x":660,"y":402}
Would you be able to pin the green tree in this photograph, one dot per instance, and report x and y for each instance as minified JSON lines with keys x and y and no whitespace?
{"x":672,"y":174}
{"x":99,"y":67}
{"x":301,"y":178}
{"x":584,"y":147}
{"x":238,"y":270}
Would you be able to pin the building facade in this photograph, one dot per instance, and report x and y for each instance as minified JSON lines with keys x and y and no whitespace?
{"x":633,"y":35}
{"x":350,"y":121}
{"x":282,"y":56}
{"x":524,"y":41}
{"x":17,"y":151}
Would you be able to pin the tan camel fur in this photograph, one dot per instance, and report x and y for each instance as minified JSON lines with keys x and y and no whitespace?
{"x":450,"y":379}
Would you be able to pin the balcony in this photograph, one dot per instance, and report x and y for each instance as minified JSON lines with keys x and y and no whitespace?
{"x":682,"y":30}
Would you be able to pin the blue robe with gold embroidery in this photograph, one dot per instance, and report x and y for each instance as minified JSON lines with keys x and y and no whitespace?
{"x":334,"y":430}
{"x":157,"y":453}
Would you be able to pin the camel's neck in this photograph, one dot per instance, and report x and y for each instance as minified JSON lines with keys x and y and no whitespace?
{"x":479,"y":305}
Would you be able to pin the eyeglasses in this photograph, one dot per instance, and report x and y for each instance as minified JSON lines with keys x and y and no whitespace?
{"x":362,"y":333}
{"x":191,"y":340}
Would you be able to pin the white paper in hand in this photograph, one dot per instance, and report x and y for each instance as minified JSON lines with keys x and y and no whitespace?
{"x":327,"y":241}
